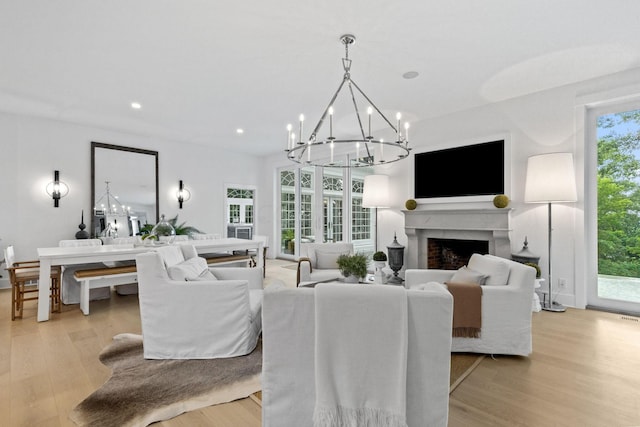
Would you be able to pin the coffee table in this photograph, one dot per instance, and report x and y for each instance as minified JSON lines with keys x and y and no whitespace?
{"x":369,"y":279}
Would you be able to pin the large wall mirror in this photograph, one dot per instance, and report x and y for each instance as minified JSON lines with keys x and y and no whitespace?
{"x":124,"y":189}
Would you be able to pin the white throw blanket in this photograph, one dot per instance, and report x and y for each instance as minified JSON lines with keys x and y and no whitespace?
{"x":360,"y":355}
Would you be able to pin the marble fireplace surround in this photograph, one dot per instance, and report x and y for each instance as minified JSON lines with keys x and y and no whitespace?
{"x":491,"y":225}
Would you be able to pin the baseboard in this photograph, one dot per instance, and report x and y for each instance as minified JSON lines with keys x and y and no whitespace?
{"x":611,"y":310}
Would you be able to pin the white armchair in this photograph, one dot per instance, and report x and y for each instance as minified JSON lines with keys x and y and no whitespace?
{"x":318,"y":261}
{"x":191,"y":312}
{"x":506,"y":304}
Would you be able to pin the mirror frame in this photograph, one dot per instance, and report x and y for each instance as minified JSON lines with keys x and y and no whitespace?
{"x":95,"y":145}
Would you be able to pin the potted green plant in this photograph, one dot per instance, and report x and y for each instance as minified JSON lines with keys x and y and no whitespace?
{"x":353,"y":267}
{"x":380,"y":262}
{"x":288,"y":241}
{"x":379,"y":256}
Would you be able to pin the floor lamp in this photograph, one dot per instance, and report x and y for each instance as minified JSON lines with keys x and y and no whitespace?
{"x":375,"y":194}
{"x":550,"y":179}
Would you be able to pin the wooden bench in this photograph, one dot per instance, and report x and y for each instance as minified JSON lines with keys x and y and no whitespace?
{"x":225,"y":258}
{"x":102,"y":277}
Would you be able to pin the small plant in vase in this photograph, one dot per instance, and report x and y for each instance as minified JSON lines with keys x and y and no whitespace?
{"x":353,"y":267}
{"x":380,"y":261}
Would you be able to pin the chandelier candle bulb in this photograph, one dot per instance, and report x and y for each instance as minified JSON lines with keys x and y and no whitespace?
{"x":289,"y":140}
{"x":301,"y":121}
{"x":331,"y":129}
{"x":406,"y":131}
{"x":398,"y":117}
{"x":369,"y":112}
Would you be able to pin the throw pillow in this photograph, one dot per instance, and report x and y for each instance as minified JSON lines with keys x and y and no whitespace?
{"x":327,"y":260}
{"x":171,"y":255}
{"x":496,"y":270}
{"x":205,"y":275}
{"x":190,"y":269}
{"x":467,"y":275}
{"x":335,"y":249}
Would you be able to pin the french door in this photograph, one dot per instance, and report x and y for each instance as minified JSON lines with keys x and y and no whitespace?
{"x":613,"y":181}
{"x":323,"y":205}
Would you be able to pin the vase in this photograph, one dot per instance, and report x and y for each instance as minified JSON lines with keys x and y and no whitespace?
{"x":379,"y":277}
{"x":163,"y":231}
{"x":351,"y":279}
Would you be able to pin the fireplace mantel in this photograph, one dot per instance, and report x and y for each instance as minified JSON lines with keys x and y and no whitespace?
{"x":492,"y":225}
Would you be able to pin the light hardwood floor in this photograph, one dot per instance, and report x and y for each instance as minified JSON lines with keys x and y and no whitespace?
{"x":584,"y":371}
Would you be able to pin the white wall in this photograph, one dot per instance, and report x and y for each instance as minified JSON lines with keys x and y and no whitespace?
{"x":544,"y":122}
{"x":32,"y":148}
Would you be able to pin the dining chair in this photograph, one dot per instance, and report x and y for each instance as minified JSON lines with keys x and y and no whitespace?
{"x":24,"y":277}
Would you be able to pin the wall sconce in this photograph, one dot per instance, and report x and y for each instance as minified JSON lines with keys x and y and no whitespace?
{"x":57,"y":189}
{"x":183,"y":194}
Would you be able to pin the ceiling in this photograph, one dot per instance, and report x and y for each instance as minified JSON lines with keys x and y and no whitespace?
{"x":202,"y":69}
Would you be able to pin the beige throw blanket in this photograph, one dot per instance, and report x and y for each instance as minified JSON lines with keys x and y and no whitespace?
{"x":360,"y":355}
{"x":467,"y":309}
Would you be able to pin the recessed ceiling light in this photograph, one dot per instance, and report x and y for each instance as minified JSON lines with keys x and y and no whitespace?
{"x":136,"y":105}
{"x":240,"y":131}
{"x":410,"y":74}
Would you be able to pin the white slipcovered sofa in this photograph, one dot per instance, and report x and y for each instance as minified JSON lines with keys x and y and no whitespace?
{"x":318,"y":261}
{"x":289,"y":348}
{"x":507,"y":293}
{"x":190,"y":311}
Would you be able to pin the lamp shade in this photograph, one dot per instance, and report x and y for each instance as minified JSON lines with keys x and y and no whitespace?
{"x":550,"y":179}
{"x":376,"y":191}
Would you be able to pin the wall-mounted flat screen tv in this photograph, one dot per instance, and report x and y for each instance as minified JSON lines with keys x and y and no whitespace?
{"x":465,"y":171}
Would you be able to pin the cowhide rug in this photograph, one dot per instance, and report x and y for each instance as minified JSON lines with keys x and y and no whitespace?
{"x":142,"y":391}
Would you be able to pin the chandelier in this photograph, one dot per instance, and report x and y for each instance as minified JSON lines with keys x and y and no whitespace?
{"x":109,"y":204}
{"x":364,"y":149}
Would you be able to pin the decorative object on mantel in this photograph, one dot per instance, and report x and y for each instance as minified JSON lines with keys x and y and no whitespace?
{"x":57,"y":189}
{"x":352,"y":267}
{"x":396,"y":259}
{"x":379,"y":262}
{"x":82,"y":234}
{"x":364,"y":150}
{"x":411,"y":204}
{"x":550,"y":179}
{"x":501,"y":201}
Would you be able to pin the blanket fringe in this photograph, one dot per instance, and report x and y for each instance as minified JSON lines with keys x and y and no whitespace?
{"x":466,"y":332}
{"x":340,"y":416}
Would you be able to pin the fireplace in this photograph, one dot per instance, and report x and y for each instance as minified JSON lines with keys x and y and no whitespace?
{"x":490,"y":226}
{"x":451,"y":254}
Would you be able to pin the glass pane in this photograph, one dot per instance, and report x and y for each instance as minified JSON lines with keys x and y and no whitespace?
{"x":619,"y":206}
{"x":363,"y":219}
{"x":332,"y":201}
{"x":307,"y":232}
{"x":234,"y":213}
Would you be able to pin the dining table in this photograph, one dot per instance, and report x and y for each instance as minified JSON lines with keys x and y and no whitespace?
{"x":65,"y":256}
